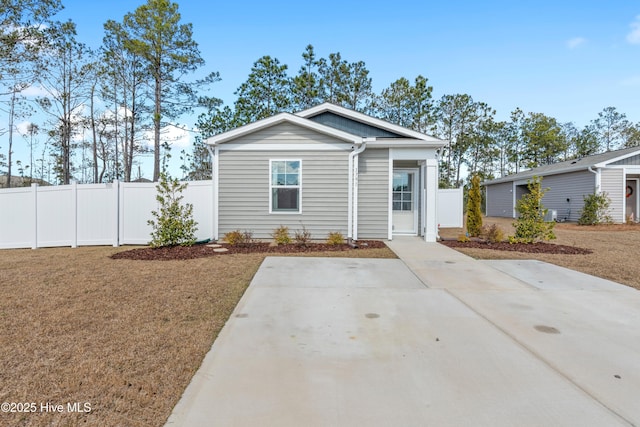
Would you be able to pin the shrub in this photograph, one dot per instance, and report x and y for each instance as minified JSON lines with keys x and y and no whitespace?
{"x":463,"y":238}
{"x":302,"y":237}
{"x":530,"y":225}
{"x":474,"y":214}
{"x":493,"y":233}
{"x":281,"y":235}
{"x":595,"y":209}
{"x":173,"y":224}
{"x":335,"y":238}
{"x":239,"y":238}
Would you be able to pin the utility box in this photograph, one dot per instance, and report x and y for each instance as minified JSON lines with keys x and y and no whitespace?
{"x":551,"y":216}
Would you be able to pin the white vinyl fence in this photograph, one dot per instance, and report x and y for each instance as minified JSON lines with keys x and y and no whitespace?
{"x":90,"y":214}
{"x":117,"y":213}
{"x":450,"y":208}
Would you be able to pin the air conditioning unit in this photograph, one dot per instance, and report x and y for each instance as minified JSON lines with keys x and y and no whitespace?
{"x":551,"y":216}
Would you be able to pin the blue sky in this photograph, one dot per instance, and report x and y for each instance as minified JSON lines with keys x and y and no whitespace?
{"x":567,"y":59}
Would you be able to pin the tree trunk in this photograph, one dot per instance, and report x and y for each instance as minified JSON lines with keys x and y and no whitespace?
{"x":156,"y":130}
{"x":93,"y":133}
{"x":11,"y":116}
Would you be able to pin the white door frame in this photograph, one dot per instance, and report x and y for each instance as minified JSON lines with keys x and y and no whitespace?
{"x":415,"y":199}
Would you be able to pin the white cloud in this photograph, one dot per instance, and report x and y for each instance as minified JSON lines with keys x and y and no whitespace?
{"x":23,"y":127}
{"x":576,"y":42}
{"x":634,"y":36}
{"x":35,"y":91}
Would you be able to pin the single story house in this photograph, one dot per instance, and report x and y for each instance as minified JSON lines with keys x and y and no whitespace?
{"x":329,"y":169}
{"x":617,"y":173}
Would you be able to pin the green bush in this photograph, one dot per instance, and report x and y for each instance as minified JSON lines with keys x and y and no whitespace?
{"x":281,"y":235}
{"x":335,"y":238}
{"x":173,"y":224}
{"x":530,"y":225}
{"x":463,"y":238}
{"x":474,"y":213}
{"x":595,"y":209}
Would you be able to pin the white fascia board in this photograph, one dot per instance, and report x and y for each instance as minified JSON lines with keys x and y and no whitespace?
{"x":404,"y":143}
{"x":277,"y":119}
{"x":363,"y":118}
{"x":248,"y":146}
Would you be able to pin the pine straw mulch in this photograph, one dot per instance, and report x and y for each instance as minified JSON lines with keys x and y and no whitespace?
{"x":206,"y":250}
{"x":529,"y":248}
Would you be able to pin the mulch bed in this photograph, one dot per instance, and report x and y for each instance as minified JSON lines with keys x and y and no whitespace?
{"x":532,"y":248}
{"x":203,"y":250}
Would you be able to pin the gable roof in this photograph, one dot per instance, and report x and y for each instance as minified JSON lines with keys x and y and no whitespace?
{"x":367,"y":120}
{"x":278,"y":119}
{"x":594,"y":161}
{"x":392,"y":135}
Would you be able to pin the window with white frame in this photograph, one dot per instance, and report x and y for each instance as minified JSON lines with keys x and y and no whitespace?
{"x":285,"y":186}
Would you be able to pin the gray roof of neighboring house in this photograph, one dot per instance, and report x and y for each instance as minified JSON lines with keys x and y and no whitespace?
{"x":569,"y":166}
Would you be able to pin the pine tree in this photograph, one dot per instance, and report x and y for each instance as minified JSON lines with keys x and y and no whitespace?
{"x":474,"y":213}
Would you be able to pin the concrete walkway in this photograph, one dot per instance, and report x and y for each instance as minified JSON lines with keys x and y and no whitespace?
{"x":433,"y":338}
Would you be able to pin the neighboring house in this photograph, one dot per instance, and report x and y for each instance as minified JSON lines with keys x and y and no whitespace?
{"x":328,"y":169}
{"x":617,"y":173}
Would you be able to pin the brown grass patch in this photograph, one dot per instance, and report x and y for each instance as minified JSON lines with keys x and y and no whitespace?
{"x":615,"y":249}
{"x":124,"y":336}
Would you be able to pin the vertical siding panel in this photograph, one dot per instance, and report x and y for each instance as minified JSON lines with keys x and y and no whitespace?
{"x":500,"y":200}
{"x":373,"y":194}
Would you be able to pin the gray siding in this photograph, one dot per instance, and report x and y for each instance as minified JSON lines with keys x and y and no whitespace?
{"x":356,"y":128}
{"x":573,"y":186}
{"x":500,"y":200}
{"x":629,"y":161}
{"x":373,"y":194}
{"x":244,"y":193}
{"x":612,"y":182}
{"x":287,"y":133}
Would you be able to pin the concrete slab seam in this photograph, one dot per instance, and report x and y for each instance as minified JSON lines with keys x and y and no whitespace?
{"x":541,"y":358}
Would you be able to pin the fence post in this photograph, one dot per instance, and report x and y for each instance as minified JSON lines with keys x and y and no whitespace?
{"x":74,"y":213}
{"x":34,"y":193}
{"x":116,"y":213}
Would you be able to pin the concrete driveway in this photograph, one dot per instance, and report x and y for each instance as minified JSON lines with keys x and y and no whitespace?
{"x":433,"y":338}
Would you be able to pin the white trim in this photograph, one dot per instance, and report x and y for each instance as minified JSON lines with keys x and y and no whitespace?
{"x":313,"y":146}
{"x":372,"y":121}
{"x":355,"y":182}
{"x":431,"y":201}
{"x":414,"y":199}
{"x":405,"y":143}
{"x":299,"y":187}
{"x":390,"y":197}
{"x":513,"y":199}
{"x":216,"y":193}
{"x":278,"y":119}
{"x":635,"y":196}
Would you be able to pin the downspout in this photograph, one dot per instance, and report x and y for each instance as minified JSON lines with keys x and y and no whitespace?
{"x":352,"y":201}
{"x":597,"y":173}
{"x":356,"y":172}
{"x":214,"y":191}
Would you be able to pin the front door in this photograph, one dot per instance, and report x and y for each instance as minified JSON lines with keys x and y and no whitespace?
{"x":632,"y":199}
{"x":405,"y":202}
